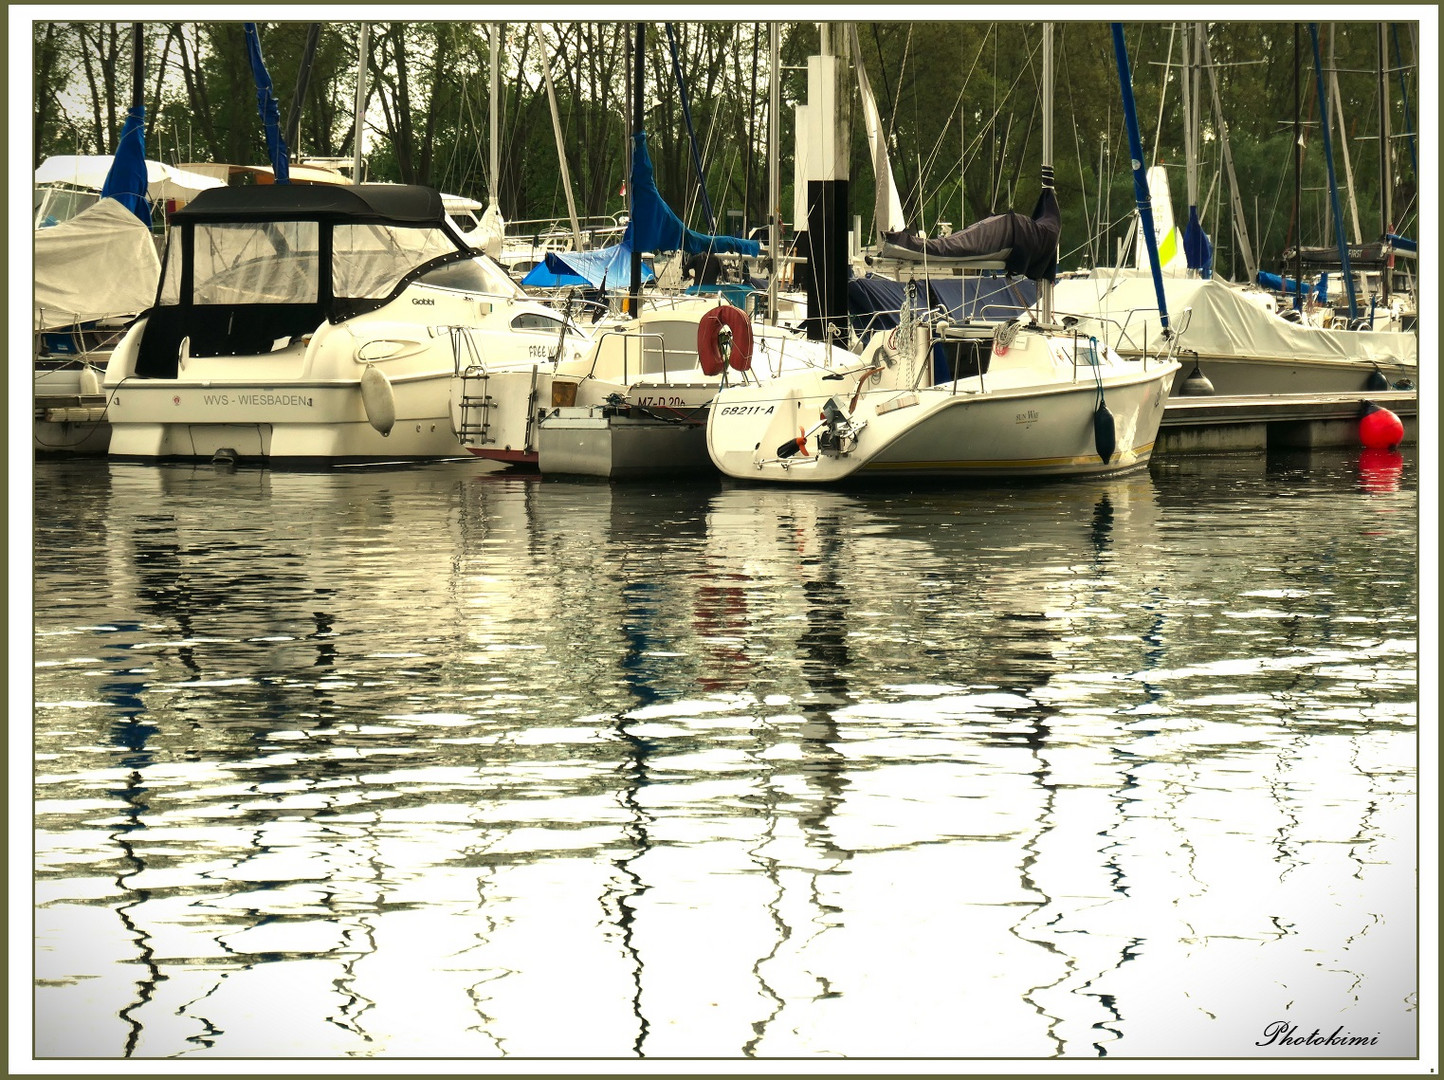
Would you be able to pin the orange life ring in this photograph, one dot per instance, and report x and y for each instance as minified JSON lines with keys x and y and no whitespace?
{"x":709,"y":350}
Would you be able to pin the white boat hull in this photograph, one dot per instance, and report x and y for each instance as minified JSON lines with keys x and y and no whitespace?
{"x":969,"y":428}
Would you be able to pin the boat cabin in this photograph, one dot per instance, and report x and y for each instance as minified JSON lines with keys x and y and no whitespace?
{"x":248,"y":269}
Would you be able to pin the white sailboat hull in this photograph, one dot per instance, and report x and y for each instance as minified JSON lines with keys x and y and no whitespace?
{"x":1005,"y":424}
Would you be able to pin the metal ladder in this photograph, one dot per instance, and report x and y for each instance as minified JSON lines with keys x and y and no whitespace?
{"x":475,"y":402}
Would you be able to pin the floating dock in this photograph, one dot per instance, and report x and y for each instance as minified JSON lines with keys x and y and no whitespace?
{"x":1274,"y":421}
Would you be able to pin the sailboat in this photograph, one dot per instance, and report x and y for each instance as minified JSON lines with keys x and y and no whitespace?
{"x":938,"y":398}
{"x":635,"y":403}
{"x":632,"y":400}
{"x":1235,"y":339}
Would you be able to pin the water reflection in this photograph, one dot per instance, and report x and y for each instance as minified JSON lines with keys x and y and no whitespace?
{"x":416,"y":763}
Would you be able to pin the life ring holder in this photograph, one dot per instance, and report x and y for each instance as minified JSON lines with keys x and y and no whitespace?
{"x":709,"y":348}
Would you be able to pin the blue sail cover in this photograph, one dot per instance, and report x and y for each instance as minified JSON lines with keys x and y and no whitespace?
{"x":1278,"y":283}
{"x":269,"y":107}
{"x":654,"y":227}
{"x":599,"y":268}
{"x":127,"y":181}
{"x":1197,"y":247}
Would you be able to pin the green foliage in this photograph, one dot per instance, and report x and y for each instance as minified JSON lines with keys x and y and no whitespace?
{"x":960,"y":104}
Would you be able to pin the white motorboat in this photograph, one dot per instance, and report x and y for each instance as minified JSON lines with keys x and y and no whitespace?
{"x":315,"y":325}
{"x":1011,"y":400}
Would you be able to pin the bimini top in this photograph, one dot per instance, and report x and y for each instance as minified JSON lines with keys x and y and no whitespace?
{"x":397,"y":204}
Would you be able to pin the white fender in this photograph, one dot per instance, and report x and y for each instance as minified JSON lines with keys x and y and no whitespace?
{"x":89,"y":381}
{"x":379,"y":399}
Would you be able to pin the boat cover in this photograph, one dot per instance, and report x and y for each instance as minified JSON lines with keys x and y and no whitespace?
{"x":1026,"y":245}
{"x":655,"y":227}
{"x":68,"y":286}
{"x":1225,"y":320}
{"x":608,"y":266}
{"x":390,"y":204}
{"x":90,"y":170}
{"x":873,"y":302}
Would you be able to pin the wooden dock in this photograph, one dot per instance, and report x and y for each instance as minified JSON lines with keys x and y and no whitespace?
{"x":1295,"y":421}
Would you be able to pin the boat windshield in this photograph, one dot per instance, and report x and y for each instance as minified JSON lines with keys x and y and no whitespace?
{"x":477,"y":275}
{"x":277,"y":262}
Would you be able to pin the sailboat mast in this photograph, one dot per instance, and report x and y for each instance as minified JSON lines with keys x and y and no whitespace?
{"x":1386,"y":180}
{"x":774,"y":172}
{"x":561,"y":154}
{"x":492,"y":183}
{"x":1339,"y":238}
{"x":1046,"y":292}
{"x":360,"y":110}
{"x":634,"y":298}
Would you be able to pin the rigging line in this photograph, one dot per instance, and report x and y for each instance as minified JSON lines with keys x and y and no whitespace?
{"x":978,"y":137}
{"x":1163,"y":94}
{"x":1077,"y":142}
{"x":937,"y":149}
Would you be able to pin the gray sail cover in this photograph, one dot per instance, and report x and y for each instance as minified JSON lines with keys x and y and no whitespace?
{"x":1025,"y":245}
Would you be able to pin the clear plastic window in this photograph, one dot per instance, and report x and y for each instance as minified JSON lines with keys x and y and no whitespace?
{"x":368,"y":261}
{"x":268,"y":263}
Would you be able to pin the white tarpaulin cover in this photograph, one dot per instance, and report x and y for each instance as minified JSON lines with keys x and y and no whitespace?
{"x":102,"y":262}
{"x":90,"y":171}
{"x":1225,"y":320}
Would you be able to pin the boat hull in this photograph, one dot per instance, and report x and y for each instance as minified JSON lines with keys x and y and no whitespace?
{"x":941,"y":431}
{"x":290,"y":423}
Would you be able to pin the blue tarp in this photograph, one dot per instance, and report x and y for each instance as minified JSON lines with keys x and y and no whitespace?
{"x":127,"y":182}
{"x":653,"y":225}
{"x":1276,"y":283}
{"x":1403,"y":243}
{"x":270,"y":108}
{"x":603,"y":268}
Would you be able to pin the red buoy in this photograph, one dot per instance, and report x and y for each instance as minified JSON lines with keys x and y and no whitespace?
{"x":1379,"y":429}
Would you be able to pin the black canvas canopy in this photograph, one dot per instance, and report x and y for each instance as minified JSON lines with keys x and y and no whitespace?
{"x":396,"y":204}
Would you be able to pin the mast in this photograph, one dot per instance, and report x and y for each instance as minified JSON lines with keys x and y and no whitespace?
{"x":1343,"y":244}
{"x":1045,"y":293}
{"x":1240,"y":222}
{"x":303,"y":80}
{"x":1298,"y":187}
{"x":1140,"y":175}
{"x":1386,"y":179}
{"x":561,"y":155}
{"x":1343,"y":135}
{"x":634,"y":298}
{"x":360,"y":111}
{"x":493,"y":184}
{"x":774,"y":172}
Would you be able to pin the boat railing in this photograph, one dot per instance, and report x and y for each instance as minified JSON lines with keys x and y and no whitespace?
{"x":642,"y":340}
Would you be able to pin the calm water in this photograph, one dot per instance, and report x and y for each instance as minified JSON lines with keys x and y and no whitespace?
{"x":443,"y":762}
